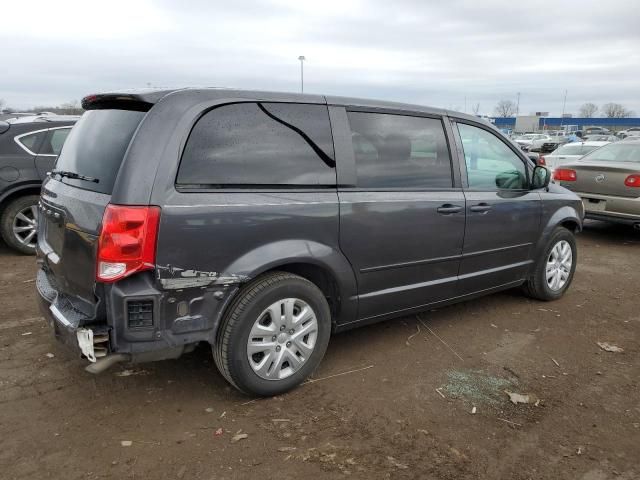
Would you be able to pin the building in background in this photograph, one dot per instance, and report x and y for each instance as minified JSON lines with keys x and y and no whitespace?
{"x":535,"y":123}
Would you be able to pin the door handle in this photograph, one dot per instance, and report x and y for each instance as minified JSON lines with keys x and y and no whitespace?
{"x":481,"y":207}
{"x":448,"y":209}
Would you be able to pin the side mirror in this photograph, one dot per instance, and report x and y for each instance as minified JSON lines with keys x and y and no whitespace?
{"x":540,"y":178}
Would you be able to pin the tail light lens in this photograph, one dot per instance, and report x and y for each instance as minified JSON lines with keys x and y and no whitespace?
{"x":565,"y":175}
{"x":127,"y":242}
{"x":632,"y":180}
{"x":541,"y":160}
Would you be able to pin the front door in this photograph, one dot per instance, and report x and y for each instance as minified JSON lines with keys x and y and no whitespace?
{"x":402,"y":224}
{"x":503,"y":214}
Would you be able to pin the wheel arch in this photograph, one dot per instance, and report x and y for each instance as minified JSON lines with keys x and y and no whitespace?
{"x":18,"y":191}
{"x":571,"y":224}
{"x":567,"y":217}
{"x":321,"y":264}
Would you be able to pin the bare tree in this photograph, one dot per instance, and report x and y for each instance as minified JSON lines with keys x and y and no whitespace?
{"x":68,"y":108}
{"x":476,"y":109}
{"x":615,"y":110}
{"x":2,"y":104}
{"x":505,"y":108}
{"x":588,"y":110}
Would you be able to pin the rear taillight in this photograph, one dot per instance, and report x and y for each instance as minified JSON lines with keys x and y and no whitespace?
{"x":565,"y":175}
{"x":541,"y":160}
{"x":632,"y":180}
{"x":127,"y":242}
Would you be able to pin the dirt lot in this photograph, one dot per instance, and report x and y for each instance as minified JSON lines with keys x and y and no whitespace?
{"x":406,"y":416}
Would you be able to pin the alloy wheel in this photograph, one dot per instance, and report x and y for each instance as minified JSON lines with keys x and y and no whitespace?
{"x":282,"y":339}
{"x":25,"y":226}
{"x":559,"y":265}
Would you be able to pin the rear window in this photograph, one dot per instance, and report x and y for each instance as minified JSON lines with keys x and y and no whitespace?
{"x":570,"y":150}
{"x":616,"y":152}
{"x":588,"y":148}
{"x":260,"y":144}
{"x":96,"y":146}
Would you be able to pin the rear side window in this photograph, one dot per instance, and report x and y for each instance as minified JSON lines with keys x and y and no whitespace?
{"x":31,"y":142}
{"x":398,"y":151}
{"x":54,"y":141}
{"x":96,"y":146}
{"x":268,"y":144}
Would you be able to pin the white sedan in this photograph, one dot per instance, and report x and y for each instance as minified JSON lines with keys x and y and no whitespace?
{"x":568,"y":153}
{"x":526,"y":141}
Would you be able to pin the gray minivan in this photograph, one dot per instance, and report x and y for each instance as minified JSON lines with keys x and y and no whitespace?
{"x":262,"y":223}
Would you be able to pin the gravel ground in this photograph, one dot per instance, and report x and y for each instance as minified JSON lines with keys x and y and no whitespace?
{"x":392,"y":400}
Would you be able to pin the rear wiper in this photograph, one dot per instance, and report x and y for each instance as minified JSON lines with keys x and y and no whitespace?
{"x":64,"y":173}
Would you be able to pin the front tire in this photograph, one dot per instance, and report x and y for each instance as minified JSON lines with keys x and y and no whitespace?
{"x":19,"y":223}
{"x":554,"y":270}
{"x":274,"y":335}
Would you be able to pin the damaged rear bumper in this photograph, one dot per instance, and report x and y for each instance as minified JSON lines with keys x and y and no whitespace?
{"x":71,"y":326}
{"x":176,"y":319}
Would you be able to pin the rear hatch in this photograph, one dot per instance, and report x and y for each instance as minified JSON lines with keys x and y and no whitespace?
{"x":73,"y":202}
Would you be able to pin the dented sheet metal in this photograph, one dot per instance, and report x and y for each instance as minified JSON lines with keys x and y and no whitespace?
{"x":176,"y":278}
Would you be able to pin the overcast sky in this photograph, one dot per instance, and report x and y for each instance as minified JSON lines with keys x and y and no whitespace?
{"x":428,"y":52}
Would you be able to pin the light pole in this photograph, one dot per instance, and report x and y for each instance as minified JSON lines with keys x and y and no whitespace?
{"x":518,"y":105}
{"x":564,"y":106}
{"x":302,"y":59}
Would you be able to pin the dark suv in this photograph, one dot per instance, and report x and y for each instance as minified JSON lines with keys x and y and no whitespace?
{"x":27,"y":152}
{"x":263,"y":222}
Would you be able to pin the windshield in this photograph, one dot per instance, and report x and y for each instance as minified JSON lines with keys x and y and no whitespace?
{"x":96,"y":146}
{"x":616,"y":152}
{"x":527,"y":137}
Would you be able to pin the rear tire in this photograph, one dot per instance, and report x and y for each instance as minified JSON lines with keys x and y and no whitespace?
{"x":554,"y":269}
{"x":19,"y":222}
{"x":274,"y":334}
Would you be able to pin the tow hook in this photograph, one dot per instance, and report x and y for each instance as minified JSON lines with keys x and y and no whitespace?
{"x":93,"y":345}
{"x":107,"y":362}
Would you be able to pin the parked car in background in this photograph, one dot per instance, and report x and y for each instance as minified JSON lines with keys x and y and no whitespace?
{"x":629,"y":132}
{"x":245,"y":220}
{"x":553,"y":143}
{"x":608,"y":181}
{"x":536,"y":144}
{"x":600,"y":138}
{"x":43,"y":117}
{"x":568,"y":153}
{"x":526,"y":141}
{"x":595,"y":131}
{"x":28,"y":150}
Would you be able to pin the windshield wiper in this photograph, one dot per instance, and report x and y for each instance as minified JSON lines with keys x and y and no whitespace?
{"x":74,"y":175}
